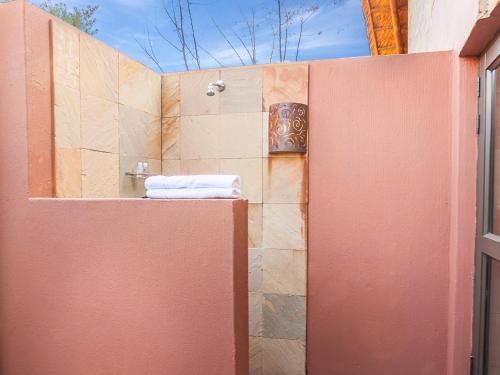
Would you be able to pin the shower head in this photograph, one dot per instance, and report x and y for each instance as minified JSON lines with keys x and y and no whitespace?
{"x":210,"y":91}
{"x":218,"y":85}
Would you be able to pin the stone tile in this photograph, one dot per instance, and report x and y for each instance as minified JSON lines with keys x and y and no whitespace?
{"x":255,"y":301}
{"x":284,"y":226}
{"x":250,"y":172}
{"x":254,"y":225}
{"x":171,"y":95}
{"x":239,"y":135}
{"x":68,"y":173}
{"x":98,"y":69}
{"x":194,"y":99}
{"x":199,"y":137}
{"x":99,"y":122}
{"x":285,"y":180}
{"x":154,"y":166}
{"x":243,"y":93}
{"x":284,"y":317}
{"x":140,"y":133}
{"x":171,"y":167}
{"x":67,"y":117}
{"x":100,"y":174}
{"x":132,"y":187}
{"x":283,"y":357}
{"x":230,"y":136}
{"x":140,"y":87}
{"x":255,"y":355}
{"x":201,"y":166}
{"x":285,"y":83}
{"x":265,"y":134}
{"x":284,"y":272}
{"x":170,"y":141}
{"x":66,"y":55}
{"x":254,"y":270}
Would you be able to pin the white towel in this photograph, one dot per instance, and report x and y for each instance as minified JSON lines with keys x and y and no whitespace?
{"x":202,"y":193}
{"x":192,"y":182}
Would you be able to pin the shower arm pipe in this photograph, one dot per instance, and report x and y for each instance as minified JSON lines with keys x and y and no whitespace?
{"x":221,"y":86}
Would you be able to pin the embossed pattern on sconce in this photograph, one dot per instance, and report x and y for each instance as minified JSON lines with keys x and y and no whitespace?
{"x":288,"y":126}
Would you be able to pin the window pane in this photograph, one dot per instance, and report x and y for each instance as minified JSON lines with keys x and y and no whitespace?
{"x":494,"y":98}
{"x":494,"y":321}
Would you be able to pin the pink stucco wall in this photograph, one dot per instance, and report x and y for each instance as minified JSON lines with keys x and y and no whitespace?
{"x":109,"y":286}
{"x":462,"y":214}
{"x":391,"y":215}
{"x":40,"y":112}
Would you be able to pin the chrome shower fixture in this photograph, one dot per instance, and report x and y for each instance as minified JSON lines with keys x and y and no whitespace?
{"x":141,"y":171}
{"x":217,"y":85}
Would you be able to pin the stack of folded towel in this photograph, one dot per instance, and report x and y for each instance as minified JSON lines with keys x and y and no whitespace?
{"x":193,"y":187}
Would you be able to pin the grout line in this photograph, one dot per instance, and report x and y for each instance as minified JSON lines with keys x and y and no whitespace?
{"x":80,"y":114}
{"x":161,"y":123}
{"x":100,"y":151}
{"x":276,"y":338}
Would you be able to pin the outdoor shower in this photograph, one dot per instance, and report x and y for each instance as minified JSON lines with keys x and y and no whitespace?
{"x":217,"y":85}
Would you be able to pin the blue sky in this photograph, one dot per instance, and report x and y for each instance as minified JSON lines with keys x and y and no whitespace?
{"x":336,"y":30}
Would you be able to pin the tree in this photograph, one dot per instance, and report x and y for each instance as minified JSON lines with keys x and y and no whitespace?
{"x":286,"y":21}
{"x":82,"y":18}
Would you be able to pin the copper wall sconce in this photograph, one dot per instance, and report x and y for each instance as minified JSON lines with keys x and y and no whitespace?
{"x":288,"y":126}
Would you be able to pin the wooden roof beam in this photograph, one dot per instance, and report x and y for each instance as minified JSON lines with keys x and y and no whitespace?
{"x":396,"y":25}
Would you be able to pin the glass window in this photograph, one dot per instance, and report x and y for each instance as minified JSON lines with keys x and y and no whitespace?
{"x":493,"y":97}
{"x":493,"y":364}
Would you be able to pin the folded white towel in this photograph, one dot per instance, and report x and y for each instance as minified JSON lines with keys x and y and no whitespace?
{"x":202,"y":193}
{"x":192,"y":182}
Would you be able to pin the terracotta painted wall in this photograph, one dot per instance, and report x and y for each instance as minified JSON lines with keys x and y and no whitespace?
{"x":463,"y":214}
{"x":105,"y":121}
{"x":391,"y":215}
{"x":109,"y":286}
{"x":228,"y":133}
{"x":40,"y":114}
{"x":107,"y":111}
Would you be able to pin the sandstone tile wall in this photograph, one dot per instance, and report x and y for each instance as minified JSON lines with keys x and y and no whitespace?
{"x":111,"y":112}
{"x":107,"y":117}
{"x":227,"y":133}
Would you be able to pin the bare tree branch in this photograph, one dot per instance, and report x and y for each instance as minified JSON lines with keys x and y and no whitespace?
{"x":147,"y":48}
{"x":244,"y":46}
{"x":299,"y":40}
{"x":285,"y":42}
{"x":280,"y":23}
{"x":172,"y":16}
{"x":251,"y":33}
{"x":167,"y":40}
{"x":193,"y":35}
{"x":273,"y":46}
{"x":211,"y":56}
{"x":288,"y":26}
{"x":181,"y":31}
{"x":228,"y":41}
{"x":305,"y":15}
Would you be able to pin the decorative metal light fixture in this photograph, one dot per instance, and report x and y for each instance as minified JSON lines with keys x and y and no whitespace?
{"x":288,"y":126}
